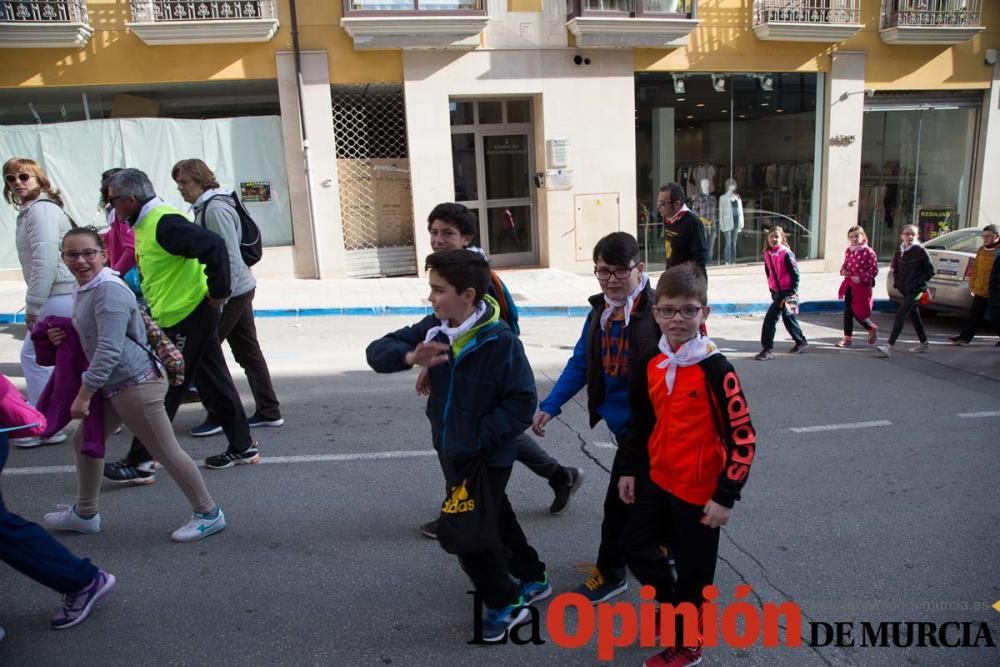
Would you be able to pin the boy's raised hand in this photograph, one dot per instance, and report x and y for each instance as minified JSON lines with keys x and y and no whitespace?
{"x":626,"y":489}
{"x":427,"y":355}
{"x":538,"y":423}
{"x":716,"y":515}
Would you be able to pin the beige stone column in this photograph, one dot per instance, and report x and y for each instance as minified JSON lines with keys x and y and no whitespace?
{"x":843,"y":122}
{"x":316,"y":222}
{"x":986,"y":200}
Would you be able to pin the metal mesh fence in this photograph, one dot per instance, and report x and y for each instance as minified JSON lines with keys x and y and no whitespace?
{"x":369,"y":122}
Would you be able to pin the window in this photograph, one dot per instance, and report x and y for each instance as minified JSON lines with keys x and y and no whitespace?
{"x":408,"y":6}
{"x":632,"y":8}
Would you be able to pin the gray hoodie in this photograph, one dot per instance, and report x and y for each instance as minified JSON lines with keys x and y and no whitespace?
{"x":220,"y":216}
{"x":38,"y":236}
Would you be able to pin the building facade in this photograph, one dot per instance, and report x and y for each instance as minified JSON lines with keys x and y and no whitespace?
{"x":342,"y":125}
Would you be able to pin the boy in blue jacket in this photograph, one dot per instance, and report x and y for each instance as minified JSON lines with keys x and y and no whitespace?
{"x":482,"y":396}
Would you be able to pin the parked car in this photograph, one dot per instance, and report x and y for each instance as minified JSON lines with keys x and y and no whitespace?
{"x":954,"y":258}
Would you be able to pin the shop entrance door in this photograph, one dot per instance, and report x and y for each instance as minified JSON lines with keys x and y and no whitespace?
{"x":916,"y":167}
{"x":493,"y":158}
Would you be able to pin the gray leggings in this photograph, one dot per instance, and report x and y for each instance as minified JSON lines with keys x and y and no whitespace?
{"x":141,"y":409}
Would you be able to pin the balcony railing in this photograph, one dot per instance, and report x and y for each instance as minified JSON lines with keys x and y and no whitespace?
{"x":56,"y":11}
{"x":632,"y":8}
{"x":806,"y":20}
{"x":423,"y":7}
{"x":930,"y":21}
{"x":415,"y":24}
{"x":936,"y":13}
{"x":151,"y":11}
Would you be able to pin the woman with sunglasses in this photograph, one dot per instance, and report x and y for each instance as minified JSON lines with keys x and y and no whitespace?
{"x":107,"y":319}
{"x":41,"y":223}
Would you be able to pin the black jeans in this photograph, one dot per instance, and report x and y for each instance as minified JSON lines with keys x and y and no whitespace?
{"x":538,"y":461}
{"x":196,"y":336}
{"x":238,"y":328}
{"x":32,"y":551}
{"x":977,"y":317}
{"x":908,"y":308}
{"x":610,"y":559}
{"x":491,"y":569}
{"x":849,"y":316}
{"x":791,"y":322}
{"x":658,"y":517}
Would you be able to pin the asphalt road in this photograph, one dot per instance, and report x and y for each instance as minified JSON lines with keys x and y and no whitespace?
{"x":874,"y":497}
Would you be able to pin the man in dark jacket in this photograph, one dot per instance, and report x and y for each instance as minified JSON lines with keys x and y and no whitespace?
{"x":482,"y":396}
{"x":185,"y":280}
{"x":683,"y":231}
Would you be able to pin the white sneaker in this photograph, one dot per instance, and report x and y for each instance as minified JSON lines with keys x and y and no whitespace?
{"x":921,"y":347}
{"x":68,"y":519}
{"x":25,"y":443}
{"x":199,"y":527}
{"x":883,"y":349}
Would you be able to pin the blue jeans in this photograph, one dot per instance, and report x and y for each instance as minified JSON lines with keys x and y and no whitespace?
{"x":32,"y":551}
{"x":730,"y":239}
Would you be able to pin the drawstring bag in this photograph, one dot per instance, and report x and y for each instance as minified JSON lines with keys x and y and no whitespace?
{"x":469,"y":513}
{"x":161,"y":350}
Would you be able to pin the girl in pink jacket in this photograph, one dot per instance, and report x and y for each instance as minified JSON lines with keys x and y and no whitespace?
{"x":859,"y":270}
{"x":782,"y":273}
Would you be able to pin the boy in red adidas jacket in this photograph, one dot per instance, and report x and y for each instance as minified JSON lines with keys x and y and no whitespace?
{"x":690,"y":415}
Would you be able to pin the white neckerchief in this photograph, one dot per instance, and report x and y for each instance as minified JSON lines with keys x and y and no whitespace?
{"x":903,"y":247}
{"x":611,"y":305}
{"x":102,"y":276}
{"x":690,"y":353}
{"x":454,"y":332}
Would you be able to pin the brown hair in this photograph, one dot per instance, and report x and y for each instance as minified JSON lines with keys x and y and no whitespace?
{"x":84,"y":231}
{"x":858,"y":228}
{"x":781,"y":231}
{"x":685,"y":281}
{"x":17,"y":165}
{"x":197,"y":171}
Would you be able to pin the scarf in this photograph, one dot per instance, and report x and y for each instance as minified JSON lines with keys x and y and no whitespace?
{"x":454,"y":332}
{"x":677,"y":216}
{"x":690,"y":353}
{"x":857,"y":248}
{"x":904,"y":247}
{"x":102,"y":276}
{"x":628,"y":304}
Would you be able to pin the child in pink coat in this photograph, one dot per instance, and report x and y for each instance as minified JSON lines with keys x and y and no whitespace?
{"x":859,"y":270}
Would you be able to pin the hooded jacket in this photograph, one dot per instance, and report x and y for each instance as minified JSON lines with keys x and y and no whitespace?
{"x":215,"y":211}
{"x":41,"y":225}
{"x":911,"y":269}
{"x":481,"y":399}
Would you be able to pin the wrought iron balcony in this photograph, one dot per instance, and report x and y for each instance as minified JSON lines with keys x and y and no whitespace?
{"x":203,"y":21}
{"x":631,"y":24}
{"x":806,"y":20}
{"x":414,"y":24}
{"x":43,"y":23}
{"x":930,"y":21}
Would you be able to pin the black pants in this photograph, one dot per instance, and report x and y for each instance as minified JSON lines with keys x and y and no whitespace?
{"x":538,"y":461}
{"x":491,"y":569}
{"x":977,"y":317}
{"x":908,"y":308}
{"x":791,"y":322}
{"x":659,"y":517}
{"x":849,"y":316}
{"x":238,"y":328}
{"x":610,"y":559}
{"x":196,"y":336}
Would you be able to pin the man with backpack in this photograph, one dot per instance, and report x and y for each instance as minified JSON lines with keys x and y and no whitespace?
{"x":220,"y":211}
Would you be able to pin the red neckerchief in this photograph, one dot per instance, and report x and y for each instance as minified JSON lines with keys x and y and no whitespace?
{"x":677,"y":216}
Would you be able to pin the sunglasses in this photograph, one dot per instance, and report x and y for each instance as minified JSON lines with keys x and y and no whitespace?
{"x":23,"y":177}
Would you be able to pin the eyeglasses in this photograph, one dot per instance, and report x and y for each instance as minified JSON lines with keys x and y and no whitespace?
{"x":23,"y":177}
{"x":605,"y":274}
{"x":88,"y":254}
{"x":668,"y":312}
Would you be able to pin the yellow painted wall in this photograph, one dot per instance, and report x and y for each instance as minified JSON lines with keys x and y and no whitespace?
{"x":725,"y":42}
{"x":116,"y":56}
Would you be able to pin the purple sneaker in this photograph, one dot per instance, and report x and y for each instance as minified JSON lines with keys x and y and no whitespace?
{"x":76,"y":606}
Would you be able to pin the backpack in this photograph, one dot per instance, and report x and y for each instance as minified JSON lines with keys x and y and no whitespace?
{"x":251,"y":245}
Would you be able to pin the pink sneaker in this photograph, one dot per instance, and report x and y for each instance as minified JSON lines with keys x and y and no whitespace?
{"x":872,"y":335}
{"x":77,"y":606}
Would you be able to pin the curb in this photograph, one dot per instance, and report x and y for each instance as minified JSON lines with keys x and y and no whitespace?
{"x":735,"y":309}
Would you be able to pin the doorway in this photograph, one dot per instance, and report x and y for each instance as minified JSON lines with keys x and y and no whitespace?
{"x":493,"y":163}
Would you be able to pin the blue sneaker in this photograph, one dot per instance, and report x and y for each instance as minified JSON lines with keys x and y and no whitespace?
{"x":498,"y":621}
{"x":533,"y":591}
{"x":206,"y":429}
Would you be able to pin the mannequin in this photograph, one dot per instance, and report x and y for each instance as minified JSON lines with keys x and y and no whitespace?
{"x":705,"y":206}
{"x":730,"y":220}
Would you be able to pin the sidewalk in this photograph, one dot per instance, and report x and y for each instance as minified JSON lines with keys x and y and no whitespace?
{"x":732,"y":290}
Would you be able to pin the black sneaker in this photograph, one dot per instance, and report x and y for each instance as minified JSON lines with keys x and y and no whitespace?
{"x":566,"y":490}
{"x":430,"y":529}
{"x":123,"y":472}
{"x":764,"y":355}
{"x":799,"y":347}
{"x":256,"y":421}
{"x":228,"y":459}
{"x":206,"y":429}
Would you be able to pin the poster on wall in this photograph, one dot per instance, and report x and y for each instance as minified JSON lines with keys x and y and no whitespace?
{"x":255,"y":191}
{"x":933,"y":221}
